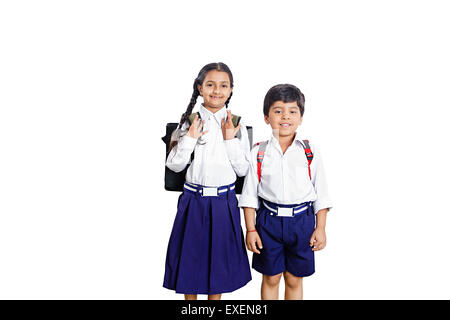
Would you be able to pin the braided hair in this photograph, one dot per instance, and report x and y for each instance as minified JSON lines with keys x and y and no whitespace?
{"x":219,"y":66}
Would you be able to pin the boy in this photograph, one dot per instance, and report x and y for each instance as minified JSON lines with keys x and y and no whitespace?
{"x":288,"y":194}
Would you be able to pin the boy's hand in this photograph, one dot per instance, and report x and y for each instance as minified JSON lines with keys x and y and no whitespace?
{"x":318,"y":239}
{"x":195,"y":130}
{"x":228,"y":129}
{"x":253,"y":241}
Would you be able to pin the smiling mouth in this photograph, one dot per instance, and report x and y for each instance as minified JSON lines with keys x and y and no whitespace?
{"x":216,"y":97}
{"x":285,"y":125}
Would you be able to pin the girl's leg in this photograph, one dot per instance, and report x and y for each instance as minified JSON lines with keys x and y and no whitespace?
{"x":269,"y":287}
{"x":190,"y":297}
{"x":293,"y":287}
{"x":214,"y":296}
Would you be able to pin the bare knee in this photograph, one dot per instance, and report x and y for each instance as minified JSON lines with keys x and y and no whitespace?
{"x":292,"y":281}
{"x":272,"y":281}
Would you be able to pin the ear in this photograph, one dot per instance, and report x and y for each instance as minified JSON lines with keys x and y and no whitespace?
{"x":199,"y":88}
{"x":301,"y":119}
{"x":266,"y":119}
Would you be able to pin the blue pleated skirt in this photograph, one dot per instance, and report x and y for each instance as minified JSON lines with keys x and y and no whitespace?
{"x":206,"y":252}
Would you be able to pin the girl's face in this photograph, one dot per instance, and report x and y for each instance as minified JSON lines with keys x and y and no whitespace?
{"x":215,"y":90}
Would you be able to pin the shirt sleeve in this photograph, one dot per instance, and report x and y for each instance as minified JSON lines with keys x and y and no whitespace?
{"x":249,"y":196}
{"x":180,"y":155}
{"x":319,"y":182}
{"x":238,"y":151}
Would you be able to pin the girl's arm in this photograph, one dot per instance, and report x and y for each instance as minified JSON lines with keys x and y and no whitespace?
{"x":180,"y":155}
{"x":238,"y":149}
{"x":249,"y":196}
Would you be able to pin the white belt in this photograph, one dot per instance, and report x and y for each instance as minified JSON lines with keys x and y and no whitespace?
{"x":287,"y":212}
{"x":207,"y":191}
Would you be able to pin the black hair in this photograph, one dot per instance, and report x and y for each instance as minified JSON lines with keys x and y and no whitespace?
{"x":285,"y":93}
{"x":219,"y":66}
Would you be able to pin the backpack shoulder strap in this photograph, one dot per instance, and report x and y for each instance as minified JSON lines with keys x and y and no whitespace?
{"x":235,"y":119}
{"x":192,"y":117}
{"x":260,"y":156}
{"x":309,"y":155}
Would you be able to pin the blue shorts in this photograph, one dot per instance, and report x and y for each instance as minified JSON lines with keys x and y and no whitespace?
{"x":285,"y":241}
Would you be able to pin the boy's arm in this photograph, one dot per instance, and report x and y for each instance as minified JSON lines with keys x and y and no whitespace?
{"x":321,"y":218}
{"x":319,"y":182}
{"x":249,"y":214}
{"x":318,"y":239}
{"x":249,"y":202}
{"x":322,"y":204}
{"x":252,"y":238}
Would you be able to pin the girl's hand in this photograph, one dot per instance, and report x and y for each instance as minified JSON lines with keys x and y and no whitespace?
{"x":318,"y":239}
{"x":228,"y":129}
{"x":253,"y":241}
{"x":195,"y":130}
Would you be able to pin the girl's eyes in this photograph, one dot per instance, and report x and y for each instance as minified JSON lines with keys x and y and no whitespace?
{"x":210,"y":85}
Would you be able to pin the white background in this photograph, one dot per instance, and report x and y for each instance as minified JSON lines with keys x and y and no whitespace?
{"x":86,"y":88}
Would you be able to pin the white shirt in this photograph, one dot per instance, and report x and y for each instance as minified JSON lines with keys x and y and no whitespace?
{"x":285,"y":178}
{"x":216,"y":161}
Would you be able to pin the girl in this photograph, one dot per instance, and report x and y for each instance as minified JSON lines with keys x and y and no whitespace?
{"x":206,"y":252}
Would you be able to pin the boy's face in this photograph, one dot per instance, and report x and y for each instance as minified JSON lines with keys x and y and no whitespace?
{"x":215,"y":90}
{"x":284,"y":118}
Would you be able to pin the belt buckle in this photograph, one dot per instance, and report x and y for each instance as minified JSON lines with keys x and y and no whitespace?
{"x":285,"y":212}
{"x":210,"y":192}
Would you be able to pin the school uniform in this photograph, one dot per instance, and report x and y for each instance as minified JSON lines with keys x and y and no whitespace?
{"x":206,"y":252}
{"x":286,"y":200}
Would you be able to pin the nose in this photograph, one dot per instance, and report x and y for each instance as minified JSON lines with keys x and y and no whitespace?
{"x":216,"y":90}
{"x":285,"y":115}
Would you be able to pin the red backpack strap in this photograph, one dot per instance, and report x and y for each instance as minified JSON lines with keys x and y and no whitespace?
{"x":309,"y":155}
{"x":260,"y":156}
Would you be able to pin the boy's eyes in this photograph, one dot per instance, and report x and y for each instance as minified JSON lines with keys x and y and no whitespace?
{"x":279,"y":111}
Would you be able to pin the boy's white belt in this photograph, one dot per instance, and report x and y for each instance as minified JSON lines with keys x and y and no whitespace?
{"x":208,"y":191}
{"x":287,"y":212}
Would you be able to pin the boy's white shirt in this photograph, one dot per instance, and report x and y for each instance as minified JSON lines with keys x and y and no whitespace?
{"x":216,"y":161}
{"x":285,"y":178}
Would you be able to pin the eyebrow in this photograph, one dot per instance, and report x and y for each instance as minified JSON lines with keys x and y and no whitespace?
{"x":278,"y":107}
{"x":225,"y":81}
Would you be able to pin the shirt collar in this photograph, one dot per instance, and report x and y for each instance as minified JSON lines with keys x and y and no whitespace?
{"x":205,"y":114}
{"x":297,"y":140}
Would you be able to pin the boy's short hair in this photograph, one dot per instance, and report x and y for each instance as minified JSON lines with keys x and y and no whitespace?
{"x":285,"y":93}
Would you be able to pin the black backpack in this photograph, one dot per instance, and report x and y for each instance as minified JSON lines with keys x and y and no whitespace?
{"x":174,"y":181}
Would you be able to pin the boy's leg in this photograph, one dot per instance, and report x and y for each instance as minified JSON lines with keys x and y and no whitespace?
{"x":269,"y":287}
{"x":293,"y":287}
